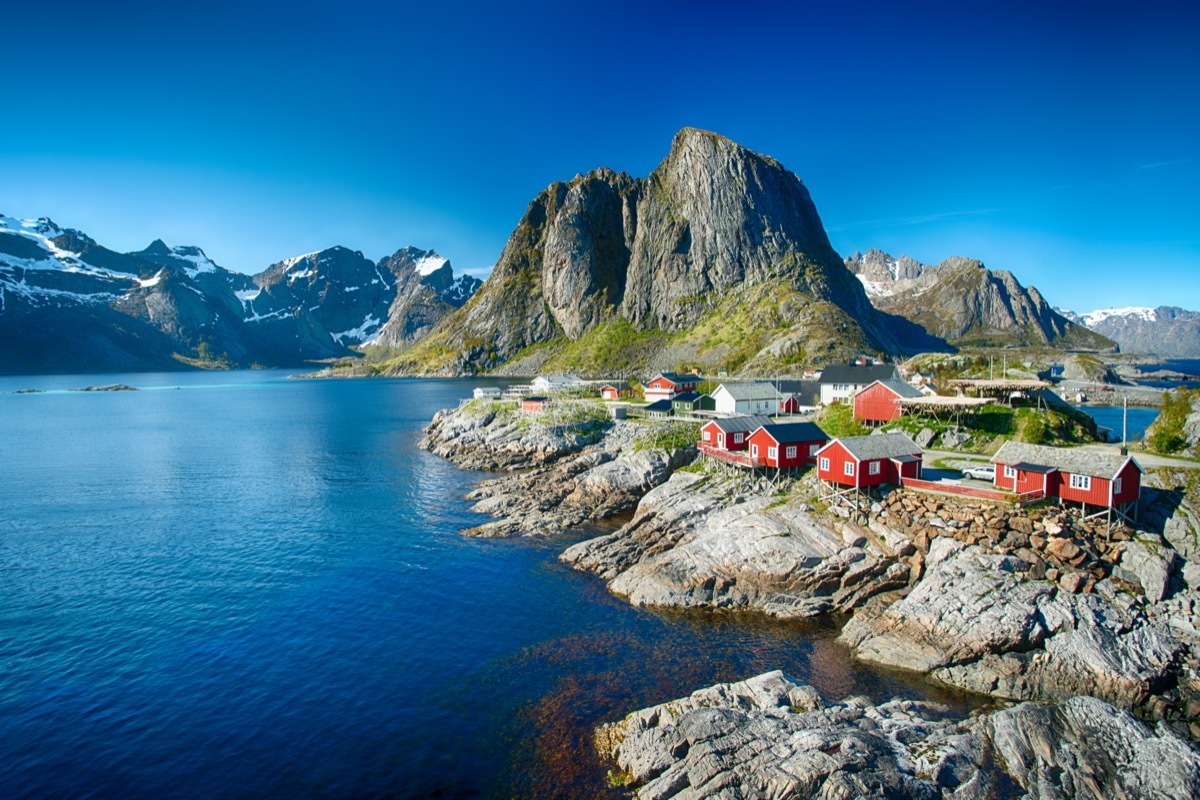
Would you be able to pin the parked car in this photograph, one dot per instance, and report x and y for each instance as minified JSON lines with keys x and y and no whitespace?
{"x":983,"y":473}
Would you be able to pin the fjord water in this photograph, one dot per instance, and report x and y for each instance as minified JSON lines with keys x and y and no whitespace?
{"x":240,"y":585}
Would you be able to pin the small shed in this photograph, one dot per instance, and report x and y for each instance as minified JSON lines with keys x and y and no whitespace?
{"x":787,"y":445}
{"x":487,"y":393}
{"x":880,"y":402}
{"x":611,"y":391}
{"x":864,"y":461}
{"x":537,"y":403}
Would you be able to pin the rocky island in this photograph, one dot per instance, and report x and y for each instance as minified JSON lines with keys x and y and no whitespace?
{"x":1095,"y":632}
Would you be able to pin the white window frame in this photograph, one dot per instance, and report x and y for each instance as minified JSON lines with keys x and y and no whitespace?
{"x":790,"y":452}
{"x":813,"y":448}
{"x":708,"y":436}
{"x":824,"y":463}
{"x":1082,"y":482}
{"x":1010,"y":471}
{"x":754,"y":450}
{"x":873,"y":469}
{"x":1116,"y":486}
{"x":737,"y":438}
{"x":772,"y":452}
{"x":848,"y":468}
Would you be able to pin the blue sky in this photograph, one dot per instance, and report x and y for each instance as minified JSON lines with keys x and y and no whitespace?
{"x":1059,"y":141}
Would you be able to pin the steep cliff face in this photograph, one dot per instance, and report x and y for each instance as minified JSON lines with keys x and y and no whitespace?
{"x":1166,"y":331}
{"x":963,"y":302}
{"x":663,"y":255}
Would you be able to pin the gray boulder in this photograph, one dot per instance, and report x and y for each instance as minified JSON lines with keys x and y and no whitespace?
{"x":1149,"y":565}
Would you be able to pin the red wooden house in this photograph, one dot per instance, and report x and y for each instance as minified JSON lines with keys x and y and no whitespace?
{"x":787,"y":445}
{"x":1075,"y":475}
{"x":880,"y":402}
{"x":665,"y":385}
{"x":610,"y":391}
{"x":535,"y":403}
{"x":864,"y":461}
{"x":731,"y":433}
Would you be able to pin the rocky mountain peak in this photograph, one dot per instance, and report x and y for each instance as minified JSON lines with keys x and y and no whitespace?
{"x":157,"y":248}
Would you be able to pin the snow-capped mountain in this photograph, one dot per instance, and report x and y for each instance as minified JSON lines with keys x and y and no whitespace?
{"x":1166,"y":331}
{"x":67,"y":303}
{"x":961,"y":301}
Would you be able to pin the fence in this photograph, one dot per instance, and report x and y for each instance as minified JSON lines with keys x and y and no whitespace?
{"x":957,"y":489}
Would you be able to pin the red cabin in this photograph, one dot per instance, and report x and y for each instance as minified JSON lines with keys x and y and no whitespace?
{"x":535,"y":403}
{"x":1074,"y":475}
{"x":880,"y":402}
{"x":731,"y":433}
{"x":863,"y":461}
{"x":666,"y":385}
{"x":787,"y":445}
{"x":612,"y":392}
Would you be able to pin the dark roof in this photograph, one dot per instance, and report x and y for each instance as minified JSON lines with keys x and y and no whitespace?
{"x":537,"y":399}
{"x":860,"y":374}
{"x":743,"y":424}
{"x":660,"y":405}
{"x":879,"y":445}
{"x":1025,"y":466}
{"x":906,"y":459}
{"x":687,"y":397}
{"x":787,"y":432}
{"x":1074,"y":460}
{"x":677,"y":377}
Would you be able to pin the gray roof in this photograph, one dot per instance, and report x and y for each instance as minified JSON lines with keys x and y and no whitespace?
{"x":901,"y":388}
{"x":860,"y":374}
{"x":744,"y":424}
{"x":880,"y":445}
{"x":806,"y":392}
{"x":787,"y":432}
{"x":1074,"y":460}
{"x":749,"y":391}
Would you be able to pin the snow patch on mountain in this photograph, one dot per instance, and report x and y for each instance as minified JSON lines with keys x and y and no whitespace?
{"x":1094,"y":318}
{"x":360,"y":334}
{"x":876,"y":288}
{"x":429,"y":264}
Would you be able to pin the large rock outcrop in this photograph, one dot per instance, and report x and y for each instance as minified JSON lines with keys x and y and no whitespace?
{"x":976,"y":622}
{"x":771,"y":737}
{"x":660,"y":253}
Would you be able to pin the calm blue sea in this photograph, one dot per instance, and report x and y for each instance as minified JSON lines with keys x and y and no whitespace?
{"x":240,"y":585}
{"x":1111,"y":417}
{"x":1186,"y":366}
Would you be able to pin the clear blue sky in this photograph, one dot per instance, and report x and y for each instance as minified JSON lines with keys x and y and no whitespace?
{"x":1062,"y":143}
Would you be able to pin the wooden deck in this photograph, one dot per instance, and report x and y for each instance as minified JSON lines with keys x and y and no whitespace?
{"x":739,"y":458}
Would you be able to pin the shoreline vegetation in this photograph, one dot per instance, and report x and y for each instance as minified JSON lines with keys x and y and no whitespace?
{"x":1085,"y":640}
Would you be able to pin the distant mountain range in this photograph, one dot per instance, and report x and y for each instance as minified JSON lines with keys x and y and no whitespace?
{"x":717,"y":260}
{"x":964,"y":303}
{"x":69,"y":304}
{"x":1166,"y":331}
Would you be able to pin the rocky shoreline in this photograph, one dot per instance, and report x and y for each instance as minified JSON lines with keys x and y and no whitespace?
{"x":1033,"y":605}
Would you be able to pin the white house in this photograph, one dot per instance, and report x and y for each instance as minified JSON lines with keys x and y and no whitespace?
{"x":487,"y":392}
{"x":746,"y":398}
{"x":549,"y":384}
{"x":843,"y":381}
